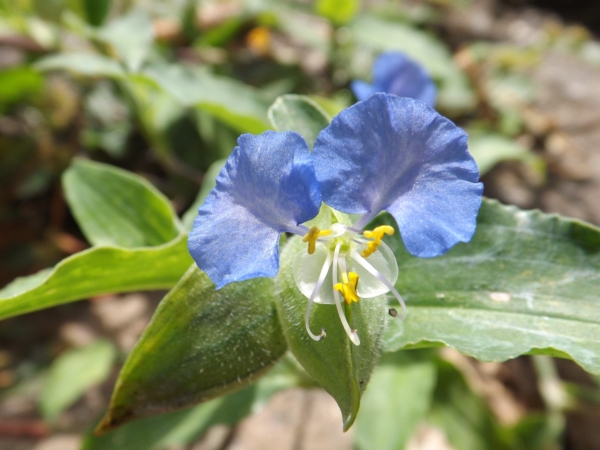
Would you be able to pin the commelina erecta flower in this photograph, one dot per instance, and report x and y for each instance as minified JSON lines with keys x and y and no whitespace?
{"x":385,"y":153}
{"x":395,"y":73}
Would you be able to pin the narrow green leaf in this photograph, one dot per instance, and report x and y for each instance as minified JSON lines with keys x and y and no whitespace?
{"x":24,"y":284}
{"x":398,"y":397}
{"x":339,"y":366}
{"x":331,"y":107}
{"x":455,"y":93}
{"x":238,"y":105}
{"x":489,"y":149}
{"x":88,"y":64}
{"x":107,"y":119}
{"x":132,"y":36}
{"x":96,"y":11}
{"x":156,"y":110}
{"x":73,"y":373}
{"x":339,"y":12}
{"x":115,"y":207}
{"x":17,"y":84}
{"x":528,"y":282}
{"x":234,"y":103}
{"x":201,"y":343}
{"x":183,"y":427}
{"x":298,"y":113}
{"x":300,"y":27}
{"x":99,"y":270}
{"x":176,"y":428}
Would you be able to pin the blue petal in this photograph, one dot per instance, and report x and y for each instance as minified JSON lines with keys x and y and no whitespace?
{"x":397,"y":154}
{"x":267,"y":186}
{"x":394,"y":73}
{"x":361,"y":89}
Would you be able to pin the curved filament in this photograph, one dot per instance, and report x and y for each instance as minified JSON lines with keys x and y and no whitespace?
{"x":369,"y":268}
{"x":315,"y":291}
{"x":336,"y":295}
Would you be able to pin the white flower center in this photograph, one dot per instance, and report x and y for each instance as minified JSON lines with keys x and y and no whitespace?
{"x":333,"y":267}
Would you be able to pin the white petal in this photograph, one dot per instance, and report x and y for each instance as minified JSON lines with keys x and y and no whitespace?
{"x":369,"y":268}
{"x":307,"y":269}
{"x":384,"y":261}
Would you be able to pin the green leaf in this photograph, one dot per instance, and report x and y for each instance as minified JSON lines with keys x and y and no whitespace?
{"x":339,"y":366}
{"x":88,"y":64}
{"x":339,"y":12}
{"x":156,"y":111}
{"x":115,"y":207}
{"x":96,"y":11}
{"x":298,"y":113}
{"x":176,"y":428}
{"x":107,"y":119}
{"x":528,"y":282}
{"x":201,"y":343}
{"x":489,"y":149}
{"x":455,"y":93}
{"x":234,"y":103}
{"x":331,"y":107}
{"x":400,"y":392}
{"x":208,"y":182}
{"x":299,"y":27}
{"x":99,"y":270}
{"x":219,"y":35}
{"x":18,"y":83}
{"x":132,"y":36}
{"x":73,"y":373}
{"x":183,"y":427}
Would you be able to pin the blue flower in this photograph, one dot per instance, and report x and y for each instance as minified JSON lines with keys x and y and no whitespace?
{"x":395,"y":73}
{"x":267,"y":187}
{"x":386,"y":153}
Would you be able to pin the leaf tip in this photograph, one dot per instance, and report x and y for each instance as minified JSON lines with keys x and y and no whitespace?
{"x":350,"y":416}
{"x":113,"y":419}
{"x":349,"y":420}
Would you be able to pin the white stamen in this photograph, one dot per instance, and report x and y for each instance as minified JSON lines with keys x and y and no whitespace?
{"x":336,"y":295}
{"x":343,"y":268}
{"x":315,"y":291}
{"x":369,"y":268}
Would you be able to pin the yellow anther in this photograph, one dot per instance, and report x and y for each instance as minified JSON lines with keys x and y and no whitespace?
{"x":311,"y":237}
{"x":376,"y":234}
{"x":348,"y":287}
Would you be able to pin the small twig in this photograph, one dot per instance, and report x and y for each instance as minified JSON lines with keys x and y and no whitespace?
{"x":306,"y":406}
{"x":21,"y":42}
{"x":553,"y":394}
{"x":229,"y":438}
{"x":25,"y":428}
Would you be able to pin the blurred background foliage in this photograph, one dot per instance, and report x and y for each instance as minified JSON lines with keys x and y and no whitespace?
{"x":164,"y":88}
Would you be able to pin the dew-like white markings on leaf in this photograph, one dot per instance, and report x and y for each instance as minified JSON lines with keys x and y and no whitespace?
{"x":500,"y":296}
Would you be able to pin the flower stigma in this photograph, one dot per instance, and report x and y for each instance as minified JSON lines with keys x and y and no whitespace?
{"x":342,"y":264}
